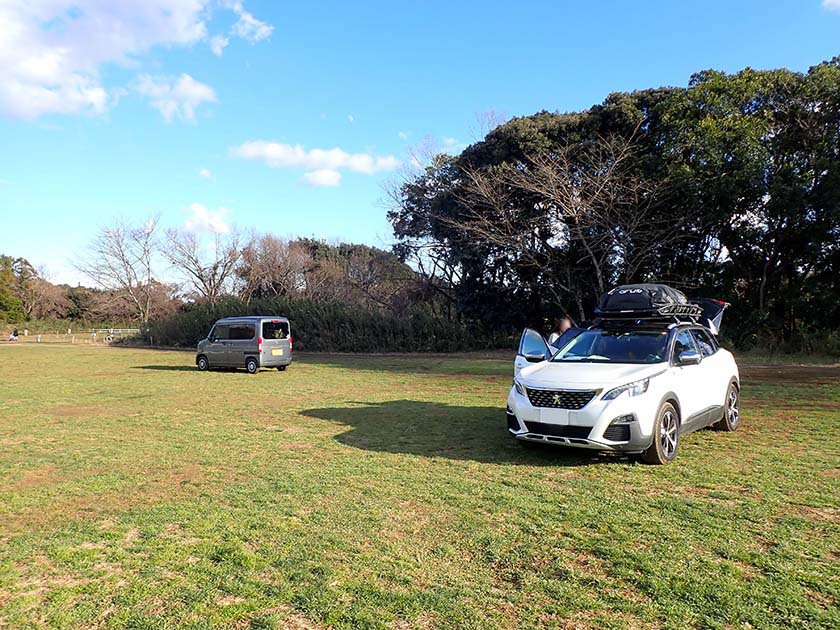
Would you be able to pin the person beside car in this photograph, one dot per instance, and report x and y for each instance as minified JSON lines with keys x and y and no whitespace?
{"x":564,"y":331}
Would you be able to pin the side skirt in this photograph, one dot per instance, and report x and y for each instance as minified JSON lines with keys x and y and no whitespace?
{"x":702,"y":419}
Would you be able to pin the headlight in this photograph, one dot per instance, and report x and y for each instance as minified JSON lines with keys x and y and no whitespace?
{"x":635,"y":388}
{"x":520,"y":389}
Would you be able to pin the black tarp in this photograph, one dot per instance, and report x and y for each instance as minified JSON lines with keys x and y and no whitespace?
{"x":640,"y":298}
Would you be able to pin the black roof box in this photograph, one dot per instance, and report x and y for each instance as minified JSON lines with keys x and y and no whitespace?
{"x":643,"y":301}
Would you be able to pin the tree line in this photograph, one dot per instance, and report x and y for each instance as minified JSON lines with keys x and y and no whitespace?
{"x":728,"y":188}
{"x":343,"y":296}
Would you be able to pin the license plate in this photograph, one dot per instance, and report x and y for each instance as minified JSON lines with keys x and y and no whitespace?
{"x":554,"y":416}
{"x":277,"y":352}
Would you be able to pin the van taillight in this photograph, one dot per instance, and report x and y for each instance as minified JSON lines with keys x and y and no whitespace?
{"x":259,"y":344}
{"x":290,"y":342}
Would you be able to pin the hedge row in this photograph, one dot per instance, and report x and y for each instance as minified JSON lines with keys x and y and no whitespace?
{"x":333,"y":327}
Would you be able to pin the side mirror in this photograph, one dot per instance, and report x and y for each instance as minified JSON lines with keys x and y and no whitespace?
{"x":534,"y":357}
{"x":689,"y":357}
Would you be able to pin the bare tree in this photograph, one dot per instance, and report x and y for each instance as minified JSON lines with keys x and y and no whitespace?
{"x":120,"y":259}
{"x":272,"y":266}
{"x":486,"y":121}
{"x":589,"y":196}
{"x":208,"y":269}
{"x":42,"y":299}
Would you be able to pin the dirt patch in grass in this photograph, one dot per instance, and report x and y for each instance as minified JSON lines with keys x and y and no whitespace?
{"x":162,"y":485}
{"x":823,"y":600}
{"x":818,"y":514}
{"x":36,"y":477}
{"x":63,"y":410}
{"x":287,"y":617}
{"x":792,"y":374}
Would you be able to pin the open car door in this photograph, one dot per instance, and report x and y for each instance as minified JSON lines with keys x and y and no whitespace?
{"x":532,"y":349}
{"x":712,"y":312}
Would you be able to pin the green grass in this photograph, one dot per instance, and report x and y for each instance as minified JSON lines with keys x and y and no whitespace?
{"x":385,"y":492}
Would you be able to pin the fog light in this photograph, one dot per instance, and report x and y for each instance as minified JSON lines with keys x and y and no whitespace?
{"x":624,"y":419}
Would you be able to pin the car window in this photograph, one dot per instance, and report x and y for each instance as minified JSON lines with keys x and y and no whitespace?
{"x":220,"y":332}
{"x":241,"y":331}
{"x":704,"y":342}
{"x":684,"y":343}
{"x":275,"y":330}
{"x":616,"y":346}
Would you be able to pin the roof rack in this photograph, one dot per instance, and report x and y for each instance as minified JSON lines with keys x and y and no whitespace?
{"x":669,"y":314}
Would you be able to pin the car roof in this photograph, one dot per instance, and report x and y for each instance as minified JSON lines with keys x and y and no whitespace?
{"x":253,"y":318}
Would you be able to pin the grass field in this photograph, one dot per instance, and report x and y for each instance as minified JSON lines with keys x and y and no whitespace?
{"x":385,"y":492}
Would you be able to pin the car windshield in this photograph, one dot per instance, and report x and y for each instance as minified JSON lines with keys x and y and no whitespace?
{"x":615,"y":346}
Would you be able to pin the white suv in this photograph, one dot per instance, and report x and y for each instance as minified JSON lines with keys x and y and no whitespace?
{"x":633,"y":387}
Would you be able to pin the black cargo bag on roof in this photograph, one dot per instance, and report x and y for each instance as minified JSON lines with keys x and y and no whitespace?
{"x":644,"y":300}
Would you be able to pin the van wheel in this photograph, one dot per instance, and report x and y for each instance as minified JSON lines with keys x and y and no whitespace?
{"x":281,"y":368}
{"x":202,"y":364}
{"x":252,"y":366}
{"x":731,"y":410}
{"x":666,"y":437}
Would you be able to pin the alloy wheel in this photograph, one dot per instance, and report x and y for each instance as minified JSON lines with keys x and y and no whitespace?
{"x":733,"y":408}
{"x":668,"y":434}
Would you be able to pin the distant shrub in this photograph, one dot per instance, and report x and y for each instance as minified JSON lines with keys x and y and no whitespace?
{"x":332,"y":327}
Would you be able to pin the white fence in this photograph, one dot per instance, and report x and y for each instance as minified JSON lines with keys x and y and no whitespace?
{"x":89,"y":335}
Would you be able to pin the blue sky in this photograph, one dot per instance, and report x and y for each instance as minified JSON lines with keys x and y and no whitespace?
{"x":289,"y":117}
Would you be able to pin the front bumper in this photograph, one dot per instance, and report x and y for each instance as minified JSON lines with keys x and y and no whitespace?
{"x":593,"y":426}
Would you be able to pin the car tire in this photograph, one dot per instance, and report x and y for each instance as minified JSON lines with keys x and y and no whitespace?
{"x":666,"y":437}
{"x":731,"y":410}
{"x":281,"y":368}
{"x":252,"y":366}
{"x":202,"y":364}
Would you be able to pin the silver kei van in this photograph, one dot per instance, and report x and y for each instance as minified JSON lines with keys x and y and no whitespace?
{"x":249,"y":342}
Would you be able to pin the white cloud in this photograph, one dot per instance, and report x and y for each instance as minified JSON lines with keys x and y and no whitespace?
{"x":203,"y":219}
{"x":278,"y":155}
{"x":452,"y":145}
{"x":403,"y":135}
{"x":246,"y":27}
{"x":175,"y":97}
{"x":350,"y":118}
{"x":250,"y":28}
{"x":323,"y":178}
{"x":205,"y":173}
{"x":218,"y":43}
{"x":52,"y":51}
{"x":831,"y":5}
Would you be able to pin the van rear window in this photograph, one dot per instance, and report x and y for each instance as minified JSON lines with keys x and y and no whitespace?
{"x":275,"y":330}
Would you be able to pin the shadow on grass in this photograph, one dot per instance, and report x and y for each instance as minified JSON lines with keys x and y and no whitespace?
{"x":440,"y":430}
{"x":166,"y":368}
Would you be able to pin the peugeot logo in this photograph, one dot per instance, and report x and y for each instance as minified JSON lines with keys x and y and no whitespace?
{"x":556,"y":399}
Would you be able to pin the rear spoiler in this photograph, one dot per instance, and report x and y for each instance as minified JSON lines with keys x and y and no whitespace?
{"x":712,"y":316}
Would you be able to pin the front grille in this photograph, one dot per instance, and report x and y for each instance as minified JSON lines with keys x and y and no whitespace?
{"x":618,"y":433}
{"x":559,"y":398}
{"x":558,"y":430}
